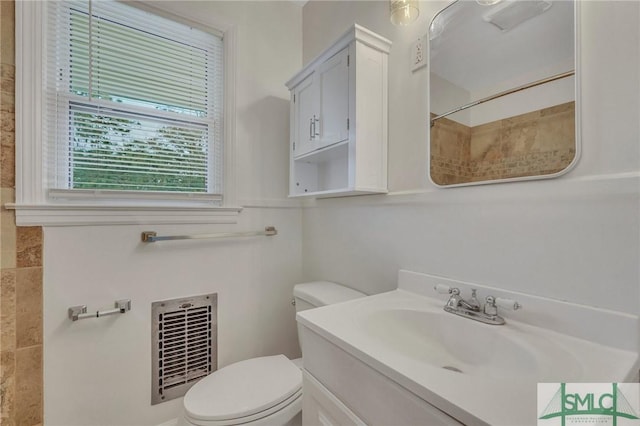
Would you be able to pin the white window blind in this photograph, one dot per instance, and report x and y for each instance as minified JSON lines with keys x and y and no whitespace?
{"x":134,"y":102}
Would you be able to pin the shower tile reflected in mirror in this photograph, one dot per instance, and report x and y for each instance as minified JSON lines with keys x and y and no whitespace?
{"x":536,"y":143}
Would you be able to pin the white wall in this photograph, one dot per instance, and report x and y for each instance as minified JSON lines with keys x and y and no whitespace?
{"x":573,"y":238}
{"x":98,"y":371}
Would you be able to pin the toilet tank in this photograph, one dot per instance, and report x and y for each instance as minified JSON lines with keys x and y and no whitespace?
{"x":320,"y":293}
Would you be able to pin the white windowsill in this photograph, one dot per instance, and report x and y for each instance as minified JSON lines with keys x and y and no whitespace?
{"x":93,"y":214}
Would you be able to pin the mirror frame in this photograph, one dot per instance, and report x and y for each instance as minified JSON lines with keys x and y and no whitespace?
{"x":578,"y":108}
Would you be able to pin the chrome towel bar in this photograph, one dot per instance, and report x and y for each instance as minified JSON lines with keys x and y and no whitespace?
{"x":80,"y":312}
{"x":152,"y":237}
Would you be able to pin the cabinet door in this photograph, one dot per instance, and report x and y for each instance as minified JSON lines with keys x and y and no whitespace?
{"x":333,"y":78}
{"x":322,"y":408}
{"x":306,"y":114}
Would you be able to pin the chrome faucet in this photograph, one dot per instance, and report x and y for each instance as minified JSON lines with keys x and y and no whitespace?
{"x":457,"y":302}
{"x":472,"y":308}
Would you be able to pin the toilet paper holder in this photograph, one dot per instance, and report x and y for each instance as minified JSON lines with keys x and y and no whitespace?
{"x":80,"y":311}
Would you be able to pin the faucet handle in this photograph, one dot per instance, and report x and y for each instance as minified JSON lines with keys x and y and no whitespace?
{"x":490,"y":307}
{"x":507,"y":303}
{"x":442,"y":289}
{"x":492,"y":303}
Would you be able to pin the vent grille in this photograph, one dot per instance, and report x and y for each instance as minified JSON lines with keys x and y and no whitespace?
{"x":509,"y":15}
{"x":184,"y":344}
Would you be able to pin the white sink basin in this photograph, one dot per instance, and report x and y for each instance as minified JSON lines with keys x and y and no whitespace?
{"x":464,"y":368}
{"x":469,"y":347}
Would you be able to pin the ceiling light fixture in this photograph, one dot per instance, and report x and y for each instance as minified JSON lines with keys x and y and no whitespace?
{"x":403,"y":12}
{"x":487,"y":2}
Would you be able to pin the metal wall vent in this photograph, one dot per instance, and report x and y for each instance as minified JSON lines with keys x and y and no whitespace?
{"x":184,"y":344}
{"x":510,"y":14}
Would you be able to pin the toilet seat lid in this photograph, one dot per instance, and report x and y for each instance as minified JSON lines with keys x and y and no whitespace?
{"x":244,"y":388}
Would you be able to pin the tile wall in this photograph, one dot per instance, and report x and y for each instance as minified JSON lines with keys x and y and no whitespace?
{"x":20,"y":266}
{"x":450,"y":151}
{"x":536,"y":143}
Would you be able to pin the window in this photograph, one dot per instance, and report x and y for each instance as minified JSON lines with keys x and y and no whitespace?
{"x":116,"y":104}
{"x":133,"y":101}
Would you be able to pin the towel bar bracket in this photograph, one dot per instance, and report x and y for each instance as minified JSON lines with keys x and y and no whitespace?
{"x":76,"y":311}
{"x":149,"y":236}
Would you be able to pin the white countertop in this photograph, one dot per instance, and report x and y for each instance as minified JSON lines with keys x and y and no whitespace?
{"x":494,"y":396}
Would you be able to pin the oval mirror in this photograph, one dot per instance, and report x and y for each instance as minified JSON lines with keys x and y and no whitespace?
{"x":502,"y":91}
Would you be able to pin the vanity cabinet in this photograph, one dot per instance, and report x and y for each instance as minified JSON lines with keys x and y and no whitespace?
{"x":320,"y":407}
{"x":339,"y":119}
{"x":339,"y":389}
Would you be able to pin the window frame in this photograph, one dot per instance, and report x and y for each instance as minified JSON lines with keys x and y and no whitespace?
{"x":36,"y":204}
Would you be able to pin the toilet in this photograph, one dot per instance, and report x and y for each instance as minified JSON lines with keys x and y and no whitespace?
{"x":264,"y":391}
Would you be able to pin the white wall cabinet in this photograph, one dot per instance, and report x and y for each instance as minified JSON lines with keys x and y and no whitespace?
{"x":339,"y":119}
{"x":321,"y":106}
